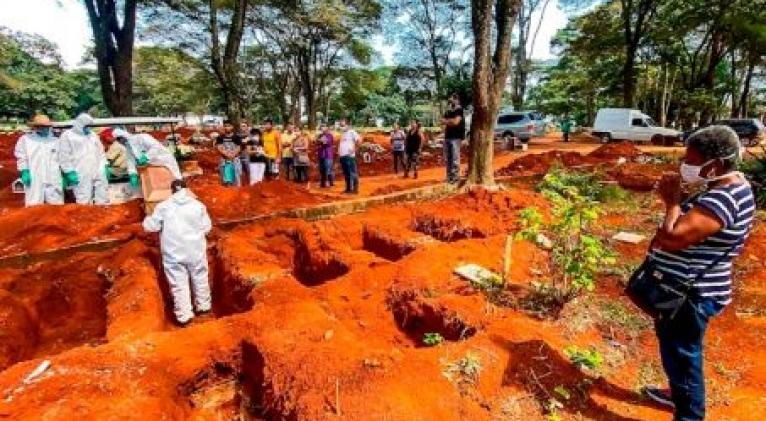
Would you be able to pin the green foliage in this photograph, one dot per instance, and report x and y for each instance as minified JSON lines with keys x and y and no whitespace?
{"x":432,"y":339}
{"x":464,"y":370}
{"x":755,"y":171}
{"x":33,"y":80}
{"x":167,"y":82}
{"x":577,"y":254}
{"x":584,"y":358}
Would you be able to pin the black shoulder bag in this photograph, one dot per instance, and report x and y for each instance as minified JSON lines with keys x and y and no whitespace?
{"x":656,"y":292}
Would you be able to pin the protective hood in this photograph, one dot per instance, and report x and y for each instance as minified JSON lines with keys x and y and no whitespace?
{"x":120,"y":133}
{"x":81,"y":122}
{"x":182,"y":197}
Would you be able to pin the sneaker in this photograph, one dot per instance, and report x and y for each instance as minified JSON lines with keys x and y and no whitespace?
{"x":661,"y":396}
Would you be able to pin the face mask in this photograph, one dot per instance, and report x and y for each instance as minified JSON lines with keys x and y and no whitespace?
{"x":86,"y":130}
{"x":690,"y":174}
{"x":43,"y":131}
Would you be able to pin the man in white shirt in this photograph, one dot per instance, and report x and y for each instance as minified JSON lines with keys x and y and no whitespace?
{"x":349,"y":139}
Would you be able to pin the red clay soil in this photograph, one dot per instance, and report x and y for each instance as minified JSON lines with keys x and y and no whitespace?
{"x":532,"y":164}
{"x":47,"y":227}
{"x":325,"y":320}
{"x":227,"y":203}
{"x":614,"y":151}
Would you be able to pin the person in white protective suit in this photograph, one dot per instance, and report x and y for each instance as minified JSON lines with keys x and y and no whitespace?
{"x":143,"y":149}
{"x":84,"y":163}
{"x":37,"y":159}
{"x":183,"y":223}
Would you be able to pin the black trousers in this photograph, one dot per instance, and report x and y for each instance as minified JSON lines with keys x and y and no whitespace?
{"x":399,"y":160}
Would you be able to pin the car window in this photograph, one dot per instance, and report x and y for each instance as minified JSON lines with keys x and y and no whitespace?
{"x":637,"y":122}
{"x":650,"y":122}
{"x":510,"y":118}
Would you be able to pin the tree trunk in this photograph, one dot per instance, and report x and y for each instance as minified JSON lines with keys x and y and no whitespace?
{"x":225,"y":66}
{"x":114,"y":52}
{"x":744,"y":99}
{"x":629,"y":79}
{"x":664,"y":96}
{"x":490,"y":73}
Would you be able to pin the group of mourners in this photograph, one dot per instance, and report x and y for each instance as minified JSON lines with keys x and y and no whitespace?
{"x":266,"y":153}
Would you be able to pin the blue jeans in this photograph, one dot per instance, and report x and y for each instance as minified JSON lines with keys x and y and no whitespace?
{"x":326,"y":173}
{"x":452,"y":159}
{"x":348,"y":163}
{"x":680,"y":342}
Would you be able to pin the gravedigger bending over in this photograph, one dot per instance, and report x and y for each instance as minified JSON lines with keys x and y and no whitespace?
{"x":183,"y":223}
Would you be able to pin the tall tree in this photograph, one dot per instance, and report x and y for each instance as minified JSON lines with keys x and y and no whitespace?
{"x":490,"y":72}
{"x":319,"y":35}
{"x":114,"y":37}
{"x":636,"y":15}
{"x":224,"y":61}
{"x":428,"y":33}
{"x":528,"y":29}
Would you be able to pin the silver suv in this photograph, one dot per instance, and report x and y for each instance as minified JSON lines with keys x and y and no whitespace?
{"x":523,"y":125}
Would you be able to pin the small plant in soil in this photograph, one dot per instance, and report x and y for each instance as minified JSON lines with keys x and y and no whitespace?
{"x":590,"y":358}
{"x":432,"y":339}
{"x":577,"y":254}
{"x":465,"y":370}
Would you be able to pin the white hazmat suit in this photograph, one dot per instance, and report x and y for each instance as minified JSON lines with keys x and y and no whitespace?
{"x":183,"y":223}
{"x":39,"y":154}
{"x":83,"y":153}
{"x":143,"y":144}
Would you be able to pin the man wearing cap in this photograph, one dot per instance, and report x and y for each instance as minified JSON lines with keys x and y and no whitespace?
{"x":84,"y":162}
{"x":37,"y":158}
{"x":116,"y":156}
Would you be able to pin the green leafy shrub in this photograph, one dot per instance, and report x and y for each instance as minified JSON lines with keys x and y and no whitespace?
{"x":432,"y":339}
{"x":464,"y":370}
{"x":577,"y":255}
{"x":755,"y":171}
{"x":584,"y":358}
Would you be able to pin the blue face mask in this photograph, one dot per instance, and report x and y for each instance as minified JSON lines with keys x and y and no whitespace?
{"x":43,"y":131}
{"x":86,"y":130}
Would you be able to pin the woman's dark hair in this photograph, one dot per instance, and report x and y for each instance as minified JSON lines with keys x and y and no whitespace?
{"x":716,"y":142}
{"x":255,"y":131}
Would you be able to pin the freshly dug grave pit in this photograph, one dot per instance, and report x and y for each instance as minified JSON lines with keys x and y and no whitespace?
{"x":232,"y":389}
{"x":417,"y":316}
{"x":349,"y":348}
{"x":51,"y":307}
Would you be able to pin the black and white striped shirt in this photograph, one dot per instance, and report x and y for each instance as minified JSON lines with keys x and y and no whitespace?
{"x":734,"y":205}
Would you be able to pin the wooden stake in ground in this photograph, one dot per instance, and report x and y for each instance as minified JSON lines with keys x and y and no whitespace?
{"x":490,"y":73}
{"x":507,"y":258}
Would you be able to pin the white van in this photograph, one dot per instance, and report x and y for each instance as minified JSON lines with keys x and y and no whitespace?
{"x":626,"y":124}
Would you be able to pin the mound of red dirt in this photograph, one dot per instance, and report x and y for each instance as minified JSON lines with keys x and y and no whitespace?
{"x":541,"y":163}
{"x":639,"y":177}
{"x":47,"y":227}
{"x":613,"y":151}
{"x":226,"y":203}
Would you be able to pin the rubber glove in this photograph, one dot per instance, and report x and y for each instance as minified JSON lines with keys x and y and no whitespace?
{"x":72,"y":178}
{"x":26,"y":177}
{"x":108,"y":172}
{"x":134,"y":181}
{"x":142,"y":160}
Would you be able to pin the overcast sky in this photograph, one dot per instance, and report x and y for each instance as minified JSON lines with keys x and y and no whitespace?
{"x":65,"y":22}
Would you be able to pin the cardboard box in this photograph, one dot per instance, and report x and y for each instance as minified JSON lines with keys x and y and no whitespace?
{"x":155,"y":185}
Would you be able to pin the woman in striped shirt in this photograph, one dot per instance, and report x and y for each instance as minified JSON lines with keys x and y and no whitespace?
{"x":697,"y":242}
